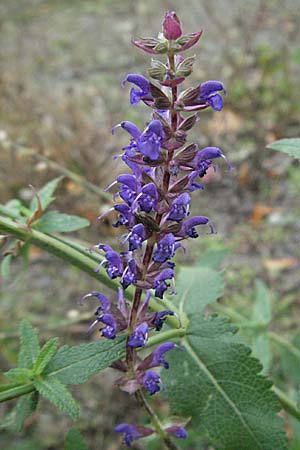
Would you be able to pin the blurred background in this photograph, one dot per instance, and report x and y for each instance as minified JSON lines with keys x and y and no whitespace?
{"x":62,"y":62}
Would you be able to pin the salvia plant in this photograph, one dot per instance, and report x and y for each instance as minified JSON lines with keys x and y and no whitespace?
{"x":153,"y":330}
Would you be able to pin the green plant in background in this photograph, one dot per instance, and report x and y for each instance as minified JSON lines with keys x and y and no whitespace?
{"x":213,"y":380}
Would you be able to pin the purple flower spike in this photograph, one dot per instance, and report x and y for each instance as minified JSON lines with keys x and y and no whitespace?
{"x":139,"y":336}
{"x":149,"y":142}
{"x":148,"y":197}
{"x":188,"y":227}
{"x":209,"y":93}
{"x":177,"y":432}
{"x":136,"y":237}
{"x":129,"y":274}
{"x":165,"y":249}
{"x":180,"y":207}
{"x":151,"y":382}
{"x":160,"y":284}
{"x":132,"y":433}
{"x":109,"y":331}
{"x":159,"y":318}
{"x":142,"y":83}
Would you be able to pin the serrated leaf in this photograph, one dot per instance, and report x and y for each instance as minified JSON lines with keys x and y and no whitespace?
{"x":196,"y":287}
{"x":24,"y":407}
{"x":53,"y":221}
{"x":74,"y":440}
{"x":290,"y":146}
{"x":57,"y":393}
{"x":73,"y":365}
{"x":212,"y":258}
{"x":261,"y":312}
{"x":5,"y":267}
{"x":217,"y":382}
{"x":29,"y":345}
{"x":45,"y":355}
{"x":14,"y":206}
{"x":45,"y":194}
{"x":19,"y":375}
{"x":262,"y":308}
{"x":260,"y":344}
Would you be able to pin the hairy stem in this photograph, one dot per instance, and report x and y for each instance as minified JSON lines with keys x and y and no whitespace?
{"x":155,"y":421}
{"x":16,"y":391}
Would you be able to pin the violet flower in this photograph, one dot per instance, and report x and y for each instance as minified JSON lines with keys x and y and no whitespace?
{"x":151,"y":382}
{"x":150,"y":140}
{"x":142,"y":83}
{"x":180,"y":207}
{"x":165,"y":249}
{"x":177,"y":432}
{"x":132,"y":433}
{"x":208,"y":92}
{"x":139,"y":336}
{"x":136,"y":237}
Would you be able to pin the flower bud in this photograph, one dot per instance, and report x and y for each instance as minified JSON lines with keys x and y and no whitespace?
{"x":157,"y":70}
{"x":171,"y":26}
{"x":185,"y":68}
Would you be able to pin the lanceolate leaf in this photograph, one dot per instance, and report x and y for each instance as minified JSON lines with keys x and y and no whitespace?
{"x":5,"y":267}
{"x":73,"y":365}
{"x":29,"y":345}
{"x":45,"y":355}
{"x":196,"y":287}
{"x":53,"y":221}
{"x":74,"y":440}
{"x":24,"y":407}
{"x":290,"y":146}
{"x":45,"y":194}
{"x":57,"y":393}
{"x":217,"y":382}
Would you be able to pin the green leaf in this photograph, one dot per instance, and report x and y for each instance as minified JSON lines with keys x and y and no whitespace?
{"x":260,"y":344}
{"x":29,"y":345}
{"x":74,"y":440}
{"x":262,"y":312}
{"x":24,"y":407}
{"x":290,"y":146}
{"x":57,"y":393}
{"x":5,"y":267}
{"x":14,"y":207}
{"x":73,"y":365}
{"x":19,"y":375}
{"x":45,"y":355}
{"x":262,"y":308}
{"x":212,"y":258}
{"x":196,"y":287}
{"x":217,"y":382}
{"x":45,"y":194}
{"x":53,"y":221}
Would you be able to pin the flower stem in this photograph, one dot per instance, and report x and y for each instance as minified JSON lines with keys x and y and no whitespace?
{"x":155,"y":421}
